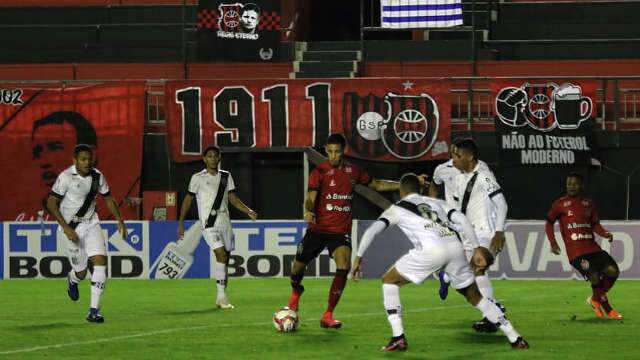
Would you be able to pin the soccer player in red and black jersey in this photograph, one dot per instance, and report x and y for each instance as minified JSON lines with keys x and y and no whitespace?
{"x":328,"y":213}
{"x":578,"y":221}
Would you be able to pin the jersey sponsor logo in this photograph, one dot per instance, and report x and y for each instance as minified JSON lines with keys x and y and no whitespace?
{"x":339,"y":196}
{"x":578,"y":226}
{"x":331,"y":207}
{"x":576,"y":236}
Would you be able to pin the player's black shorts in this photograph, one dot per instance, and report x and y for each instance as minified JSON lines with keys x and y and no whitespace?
{"x":591,"y":263}
{"x":314,"y":243}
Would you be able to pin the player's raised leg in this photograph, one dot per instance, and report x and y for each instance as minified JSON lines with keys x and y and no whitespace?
{"x":342,"y":256}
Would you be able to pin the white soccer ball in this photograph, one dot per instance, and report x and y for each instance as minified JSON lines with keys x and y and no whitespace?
{"x":286,"y":320}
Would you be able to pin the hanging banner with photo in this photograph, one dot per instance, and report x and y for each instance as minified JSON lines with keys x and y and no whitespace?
{"x":544,"y":123}
{"x":40,"y":126}
{"x":382,"y":119}
{"x":244,"y":31}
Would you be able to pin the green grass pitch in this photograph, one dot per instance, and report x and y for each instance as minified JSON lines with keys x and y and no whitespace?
{"x":177,"y":320}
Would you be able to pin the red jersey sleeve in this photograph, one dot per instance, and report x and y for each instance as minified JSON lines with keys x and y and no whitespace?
{"x":552,"y":216}
{"x":595,"y":222}
{"x":554,"y":212}
{"x":315,"y":178}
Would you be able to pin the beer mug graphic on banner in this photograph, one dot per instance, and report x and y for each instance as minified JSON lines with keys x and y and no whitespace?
{"x":570,"y":107}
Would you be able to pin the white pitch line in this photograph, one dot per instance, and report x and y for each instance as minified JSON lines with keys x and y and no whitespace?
{"x":168,"y":331}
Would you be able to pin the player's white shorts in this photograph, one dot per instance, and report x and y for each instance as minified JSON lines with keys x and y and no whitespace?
{"x":218,"y":237}
{"x":92,"y":242}
{"x":417,"y":265}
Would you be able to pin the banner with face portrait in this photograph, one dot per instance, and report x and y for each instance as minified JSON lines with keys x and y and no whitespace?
{"x":544,"y":123}
{"x":381,"y":119}
{"x":245,"y":31}
{"x":40,"y":126}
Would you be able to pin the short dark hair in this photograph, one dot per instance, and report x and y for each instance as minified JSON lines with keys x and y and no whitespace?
{"x":410,"y":183}
{"x":337,"y":139}
{"x":577,"y":176}
{"x":251,"y":6}
{"x":80,"y":148}
{"x":469,"y":145}
{"x":211,"y":148}
{"x":85,"y":132}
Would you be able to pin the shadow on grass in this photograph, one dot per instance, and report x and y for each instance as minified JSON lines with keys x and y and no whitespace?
{"x":210,"y":310}
{"x":48,"y":326}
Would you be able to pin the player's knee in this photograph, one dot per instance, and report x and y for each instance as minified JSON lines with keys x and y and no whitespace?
{"x":479,"y":272}
{"x":222,"y":256}
{"x":99,"y":260}
{"x":472,"y":294}
{"x":612,"y":271}
{"x":81,"y":274}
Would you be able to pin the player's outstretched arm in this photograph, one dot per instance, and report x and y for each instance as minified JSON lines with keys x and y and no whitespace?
{"x":434,"y":191}
{"x":238,"y":204}
{"x":372,"y":231}
{"x":112,"y":205}
{"x":184,"y":209}
{"x":53,"y":206}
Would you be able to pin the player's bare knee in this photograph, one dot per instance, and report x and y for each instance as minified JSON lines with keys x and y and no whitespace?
{"x":472,"y":294}
{"x":479,"y":272}
{"x":222,"y":255}
{"x":298,"y":267}
{"x":98,"y":260}
{"x":81,"y":274}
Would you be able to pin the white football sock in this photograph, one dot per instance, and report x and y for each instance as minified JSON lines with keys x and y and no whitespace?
{"x":220,"y":274}
{"x":98,"y":280}
{"x":446,"y":278}
{"x":73,"y":277}
{"x":492,"y":312}
{"x":485,"y":287}
{"x":391,"y":295}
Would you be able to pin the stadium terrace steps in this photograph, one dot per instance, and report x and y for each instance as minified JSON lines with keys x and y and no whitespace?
{"x":545,"y":31}
{"x":327,"y":59}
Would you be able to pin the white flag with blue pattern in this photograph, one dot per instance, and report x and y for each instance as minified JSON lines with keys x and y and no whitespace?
{"x":412,"y":14}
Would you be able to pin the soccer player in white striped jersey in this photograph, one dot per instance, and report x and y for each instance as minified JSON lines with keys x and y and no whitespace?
{"x":443,"y":177}
{"x":205,"y":186}
{"x":480,"y":198}
{"x":428,"y":223}
{"x":72,"y":202}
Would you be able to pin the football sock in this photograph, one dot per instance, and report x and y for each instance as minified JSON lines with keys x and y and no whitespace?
{"x":296,"y":282}
{"x":485,"y":287}
{"x":337,"y":286}
{"x":446,"y":278}
{"x":492,"y":312}
{"x":607,"y":282}
{"x":98,"y":279}
{"x":391,"y":295}
{"x":73,"y":277}
{"x":220,"y":274}
{"x":600,"y":295}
